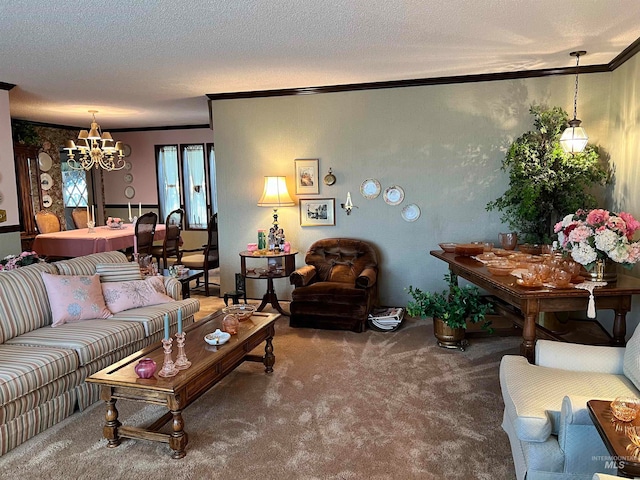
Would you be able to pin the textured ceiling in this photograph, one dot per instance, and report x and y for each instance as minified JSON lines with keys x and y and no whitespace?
{"x":151,"y":62}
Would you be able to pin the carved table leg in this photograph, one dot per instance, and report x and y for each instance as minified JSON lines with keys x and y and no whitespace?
{"x":110,"y":429}
{"x":527,"y":347}
{"x":269,"y":357}
{"x":179,"y":438}
{"x":619,"y":328}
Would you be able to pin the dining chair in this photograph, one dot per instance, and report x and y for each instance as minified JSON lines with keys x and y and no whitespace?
{"x":170,"y":246}
{"x":208,"y":259}
{"x":144,"y":232}
{"x":47,"y":222}
{"x":80,"y":217}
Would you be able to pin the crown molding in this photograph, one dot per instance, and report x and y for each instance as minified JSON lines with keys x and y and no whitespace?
{"x":6,"y":86}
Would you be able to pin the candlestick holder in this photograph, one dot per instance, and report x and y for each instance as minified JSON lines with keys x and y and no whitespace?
{"x":168,"y":367}
{"x":182,"y":363}
{"x":91,"y":226}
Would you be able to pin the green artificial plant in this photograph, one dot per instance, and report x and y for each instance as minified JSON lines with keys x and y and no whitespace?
{"x":455,"y":306}
{"x":545,"y":182}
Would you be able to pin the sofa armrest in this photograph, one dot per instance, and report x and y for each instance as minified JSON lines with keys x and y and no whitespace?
{"x":367,"y":278}
{"x":173,"y":288}
{"x":302,"y":276}
{"x":580,"y":358}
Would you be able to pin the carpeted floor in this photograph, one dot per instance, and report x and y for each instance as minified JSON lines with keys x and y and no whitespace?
{"x":339,"y":405}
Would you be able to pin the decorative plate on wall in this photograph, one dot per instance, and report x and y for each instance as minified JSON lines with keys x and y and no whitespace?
{"x":411,"y":212}
{"x":47,"y":201}
{"x":370,"y":188}
{"x":44,"y":161}
{"x":329,"y":178}
{"x":129,"y":192}
{"x":128,"y":178}
{"x":127,"y":165}
{"x":126,"y":149}
{"x":394,"y":195}
{"x":1,"y":198}
{"x":46,"y":182}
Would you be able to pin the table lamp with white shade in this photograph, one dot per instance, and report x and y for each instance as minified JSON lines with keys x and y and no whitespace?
{"x":275,"y":195}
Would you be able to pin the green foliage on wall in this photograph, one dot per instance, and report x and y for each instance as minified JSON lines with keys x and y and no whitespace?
{"x":545,"y":183}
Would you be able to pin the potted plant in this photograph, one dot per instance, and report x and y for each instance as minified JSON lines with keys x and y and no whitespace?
{"x":450,"y":310}
{"x":544,"y":180}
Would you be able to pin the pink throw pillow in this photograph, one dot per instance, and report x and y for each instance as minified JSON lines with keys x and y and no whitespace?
{"x":120,"y":296}
{"x":74,"y":298}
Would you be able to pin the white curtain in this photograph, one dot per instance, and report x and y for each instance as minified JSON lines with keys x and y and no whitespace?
{"x":195,"y":186}
{"x":212,"y":179}
{"x":169,"y":190}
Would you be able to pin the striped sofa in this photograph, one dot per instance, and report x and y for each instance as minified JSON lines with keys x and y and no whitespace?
{"x":43,"y":369}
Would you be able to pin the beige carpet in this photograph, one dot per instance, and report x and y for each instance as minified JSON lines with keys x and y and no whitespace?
{"x":339,"y":405}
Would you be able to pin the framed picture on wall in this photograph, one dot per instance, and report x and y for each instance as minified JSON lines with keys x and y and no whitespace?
{"x":306,"y":176}
{"x":317,"y":212}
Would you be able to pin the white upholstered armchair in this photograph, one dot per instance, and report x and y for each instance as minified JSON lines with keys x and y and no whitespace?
{"x":546,"y":417}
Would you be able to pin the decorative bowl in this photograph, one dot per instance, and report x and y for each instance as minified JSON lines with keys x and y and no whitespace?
{"x":448,"y":247}
{"x":500,"y":268}
{"x":241,"y":311}
{"x":531,"y":248}
{"x":625,"y":409}
{"x":217,"y":338}
{"x":469,"y":249}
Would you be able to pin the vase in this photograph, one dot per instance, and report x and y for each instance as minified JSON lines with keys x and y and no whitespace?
{"x":448,"y":337}
{"x":603,"y":271}
{"x":145,"y":368}
{"x":508,"y":241}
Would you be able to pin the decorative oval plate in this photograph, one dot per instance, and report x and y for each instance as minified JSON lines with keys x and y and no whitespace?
{"x":370,"y":188}
{"x":411,"y":212}
{"x":128,"y":178}
{"x":129,"y":192}
{"x":46,"y":201}
{"x":46,"y":182}
{"x":127,"y":165}
{"x":394,"y":195}
{"x":44,"y":161}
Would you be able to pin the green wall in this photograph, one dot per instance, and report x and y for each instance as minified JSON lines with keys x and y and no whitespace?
{"x":442,"y":144}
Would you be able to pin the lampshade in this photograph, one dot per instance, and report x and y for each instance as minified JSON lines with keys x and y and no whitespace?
{"x":574,"y":139}
{"x":275,"y":193}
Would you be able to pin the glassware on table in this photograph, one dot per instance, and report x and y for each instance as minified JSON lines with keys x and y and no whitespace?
{"x":561,"y":278}
{"x":508,"y":240}
{"x":230,"y":324}
{"x":625,"y":409}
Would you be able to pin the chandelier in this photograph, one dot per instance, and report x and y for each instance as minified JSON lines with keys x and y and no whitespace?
{"x":95,"y":148}
{"x":574,"y":139}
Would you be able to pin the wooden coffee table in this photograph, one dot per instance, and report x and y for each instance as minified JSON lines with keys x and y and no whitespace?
{"x":209,"y":365}
{"x":624,"y":455}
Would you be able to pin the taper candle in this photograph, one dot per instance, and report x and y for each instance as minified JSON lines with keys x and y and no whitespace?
{"x":88,"y":218}
{"x":130,"y":217}
{"x":180,"y":321}
{"x":139,"y":209}
{"x":166,"y":326}
{"x":93,"y":214}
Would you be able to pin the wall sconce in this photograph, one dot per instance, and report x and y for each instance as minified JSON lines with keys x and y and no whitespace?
{"x":348,"y":205}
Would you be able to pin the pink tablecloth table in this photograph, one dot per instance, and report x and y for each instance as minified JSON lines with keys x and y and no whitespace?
{"x":76,"y":243}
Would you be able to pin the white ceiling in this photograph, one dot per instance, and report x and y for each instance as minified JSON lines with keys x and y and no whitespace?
{"x":150,"y":63}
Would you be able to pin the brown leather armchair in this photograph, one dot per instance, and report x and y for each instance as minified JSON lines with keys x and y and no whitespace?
{"x":338,"y":286}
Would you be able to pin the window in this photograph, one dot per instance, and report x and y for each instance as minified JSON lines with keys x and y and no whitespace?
{"x":186,"y":176}
{"x":168,"y":179}
{"x":74,"y":187}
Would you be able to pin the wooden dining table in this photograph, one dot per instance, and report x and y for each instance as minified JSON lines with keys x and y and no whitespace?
{"x":527,"y":303}
{"x":79,"y":242}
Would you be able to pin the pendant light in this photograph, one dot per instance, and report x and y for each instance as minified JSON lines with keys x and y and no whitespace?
{"x":574,"y":139}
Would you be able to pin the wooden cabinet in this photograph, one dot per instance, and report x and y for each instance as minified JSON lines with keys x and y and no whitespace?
{"x":28,"y":187}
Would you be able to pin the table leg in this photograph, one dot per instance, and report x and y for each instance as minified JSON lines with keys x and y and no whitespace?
{"x":179,"y":439}
{"x":528,"y":345}
{"x":619,"y":328}
{"x":270,"y":297}
{"x":186,"y":289}
{"x":110,"y":429}
{"x":269,"y":357}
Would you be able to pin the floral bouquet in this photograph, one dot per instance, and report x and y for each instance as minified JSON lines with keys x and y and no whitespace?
{"x":599,"y":235}
{"x":11,"y":262}
{"x":114,"y":222}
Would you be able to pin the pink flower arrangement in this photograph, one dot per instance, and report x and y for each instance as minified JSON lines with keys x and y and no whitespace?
{"x":11,"y":262}
{"x":114,"y":222}
{"x":599,"y":234}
